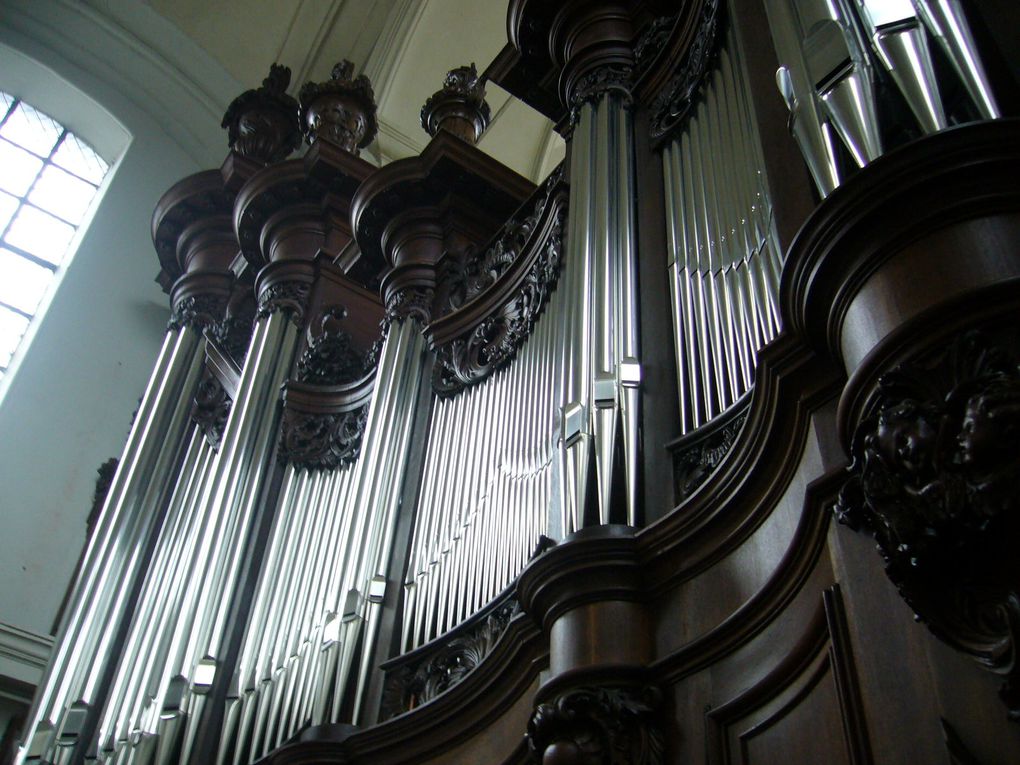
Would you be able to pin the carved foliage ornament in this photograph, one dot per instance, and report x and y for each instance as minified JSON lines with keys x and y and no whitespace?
{"x":197,"y":312}
{"x":330,"y":358}
{"x":326,"y":439}
{"x":591,"y":86}
{"x":935,"y":465}
{"x":671,"y":107}
{"x":494,"y":341}
{"x":409,"y":303}
{"x":288,"y":296}
{"x":598,"y":726}
{"x":693,"y":465}
{"x":412,"y":685}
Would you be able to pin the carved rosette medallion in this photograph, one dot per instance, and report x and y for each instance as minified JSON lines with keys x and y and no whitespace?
{"x":262,"y":124}
{"x":459,"y":106}
{"x":494,"y":341}
{"x":197,"y":311}
{"x":671,"y":107}
{"x":342,"y":109}
{"x":288,"y":296}
{"x":598,"y":725}
{"x":934,"y":472}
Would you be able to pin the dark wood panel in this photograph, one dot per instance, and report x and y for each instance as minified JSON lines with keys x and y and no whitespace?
{"x":805,"y":710}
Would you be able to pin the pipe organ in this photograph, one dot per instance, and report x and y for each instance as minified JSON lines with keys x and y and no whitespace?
{"x":394,"y":492}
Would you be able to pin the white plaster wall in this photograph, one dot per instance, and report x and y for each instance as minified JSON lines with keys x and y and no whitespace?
{"x":68,"y":405}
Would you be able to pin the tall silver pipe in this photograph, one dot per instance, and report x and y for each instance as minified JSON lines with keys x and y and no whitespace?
{"x":128,"y":706}
{"x":947,"y":23}
{"x":108,"y":563}
{"x":723,"y":276}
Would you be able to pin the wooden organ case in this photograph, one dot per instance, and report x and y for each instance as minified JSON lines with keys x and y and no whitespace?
{"x":440,"y":466}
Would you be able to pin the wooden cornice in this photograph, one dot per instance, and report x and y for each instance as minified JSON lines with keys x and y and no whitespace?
{"x":963,"y":173}
{"x":536,"y":63}
{"x":448,"y":167}
{"x":199,"y":197}
{"x":325,"y":178}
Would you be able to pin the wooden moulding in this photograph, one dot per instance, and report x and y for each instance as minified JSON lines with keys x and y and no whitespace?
{"x":450,"y":176}
{"x":320,"y":184}
{"x":963,"y":174}
{"x":456,"y":323}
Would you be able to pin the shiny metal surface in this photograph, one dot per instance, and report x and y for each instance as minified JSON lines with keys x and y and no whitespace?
{"x":947,"y":23}
{"x":487,"y":478}
{"x":112,"y":560}
{"x":723,"y":264}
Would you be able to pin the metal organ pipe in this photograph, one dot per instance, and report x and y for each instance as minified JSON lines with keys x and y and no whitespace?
{"x":486,"y":485}
{"x":723,"y":262}
{"x":112,"y":559}
{"x":833,"y":51}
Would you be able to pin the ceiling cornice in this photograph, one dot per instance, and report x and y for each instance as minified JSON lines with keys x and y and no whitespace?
{"x":146,"y":59}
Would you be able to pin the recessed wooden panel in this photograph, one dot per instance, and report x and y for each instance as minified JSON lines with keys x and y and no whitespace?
{"x":802,"y":725}
{"x":806,"y":710}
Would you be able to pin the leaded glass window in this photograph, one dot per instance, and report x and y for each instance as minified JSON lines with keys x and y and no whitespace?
{"x":48,"y":180}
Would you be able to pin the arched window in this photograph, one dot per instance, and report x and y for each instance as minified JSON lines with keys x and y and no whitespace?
{"x":49,"y":181}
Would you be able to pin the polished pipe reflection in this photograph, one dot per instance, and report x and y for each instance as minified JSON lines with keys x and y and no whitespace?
{"x":723,"y":262}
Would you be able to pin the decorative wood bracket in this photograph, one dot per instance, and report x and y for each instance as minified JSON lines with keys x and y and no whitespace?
{"x":934,"y":481}
{"x":325,"y":408}
{"x":488,"y":305}
{"x":598,"y":724}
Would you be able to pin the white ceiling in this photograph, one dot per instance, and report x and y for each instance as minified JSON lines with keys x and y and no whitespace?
{"x":404,"y":46}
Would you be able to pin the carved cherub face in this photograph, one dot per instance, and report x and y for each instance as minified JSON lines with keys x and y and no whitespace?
{"x":991,"y":422}
{"x":905,"y":438}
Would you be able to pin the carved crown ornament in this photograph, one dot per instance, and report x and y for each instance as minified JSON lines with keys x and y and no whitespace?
{"x":341,"y":109}
{"x":262,"y":124}
{"x":934,"y":470}
{"x":459,"y":106}
{"x":497,"y":297}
